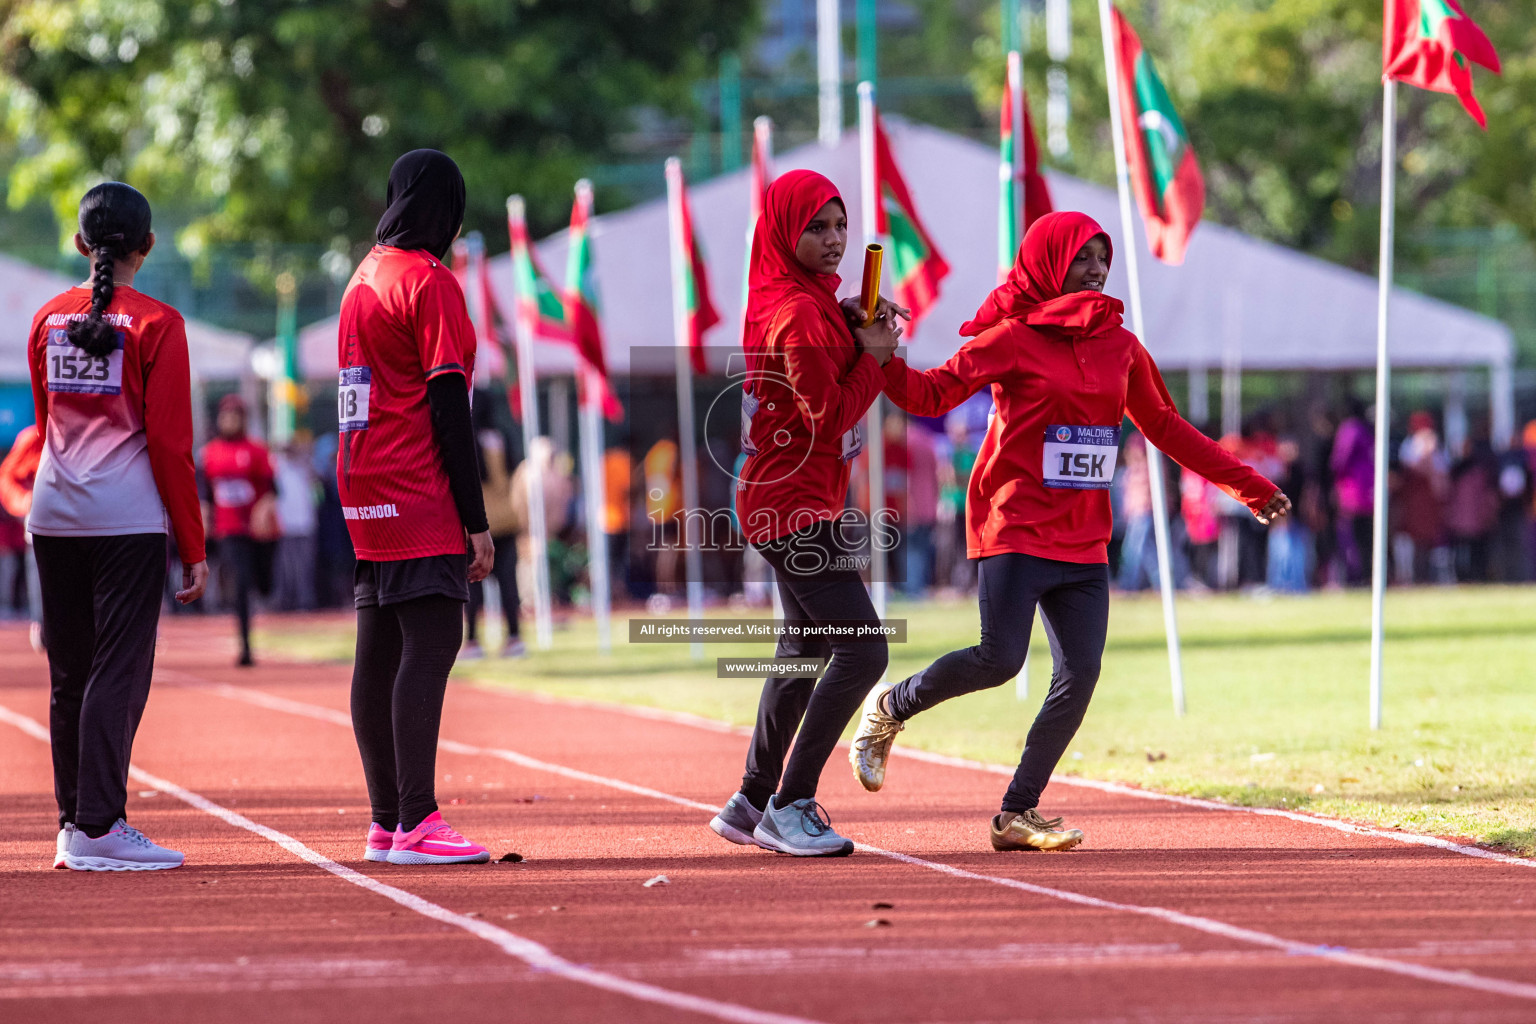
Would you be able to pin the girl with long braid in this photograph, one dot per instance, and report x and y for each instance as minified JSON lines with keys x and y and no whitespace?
{"x":112,"y":388}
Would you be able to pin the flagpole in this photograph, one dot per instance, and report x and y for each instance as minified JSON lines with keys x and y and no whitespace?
{"x":873,"y":420}
{"x":590,"y":423}
{"x":1016,"y":87}
{"x":1154,"y":457}
{"x":1383,"y":389}
{"x":537,"y":531}
{"x":687,"y":453}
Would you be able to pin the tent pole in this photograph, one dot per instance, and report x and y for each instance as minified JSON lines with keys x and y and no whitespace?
{"x":1383,"y":389}
{"x":687,"y":452}
{"x":829,"y":72}
{"x":1154,"y":457}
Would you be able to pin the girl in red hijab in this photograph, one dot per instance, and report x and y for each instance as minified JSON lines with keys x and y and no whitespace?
{"x":810,"y":380}
{"x":1064,"y":374}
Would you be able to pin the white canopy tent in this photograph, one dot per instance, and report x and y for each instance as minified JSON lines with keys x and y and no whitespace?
{"x":1236,"y":300}
{"x":216,"y":354}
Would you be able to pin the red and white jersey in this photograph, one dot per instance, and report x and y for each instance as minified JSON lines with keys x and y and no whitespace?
{"x":403,"y":322}
{"x":238,"y":473}
{"x":117,"y":450}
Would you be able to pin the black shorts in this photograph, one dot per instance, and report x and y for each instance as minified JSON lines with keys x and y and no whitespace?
{"x":382,"y":583}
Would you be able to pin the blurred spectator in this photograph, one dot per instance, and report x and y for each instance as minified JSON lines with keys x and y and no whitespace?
{"x":293,"y":583}
{"x":618,"y":483}
{"x":1315,"y":507}
{"x":1289,"y":541}
{"x":955,"y":569}
{"x":236,"y":476}
{"x":1472,"y":511}
{"x":662,"y":475}
{"x":18,"y":474}
{"x":1418,"y":503}
{"x":1138,"y":553}
{"x":559,"y":492}
{"x":1197,"y":506}
{"x":1510,"y":561}
{"x":922,"y":507}
{"x":496,"y":487}
{"x":898,"y":467}
{"x":1529,"y":440}
{"x":1354,"y":467}
{"x":335,"y":559}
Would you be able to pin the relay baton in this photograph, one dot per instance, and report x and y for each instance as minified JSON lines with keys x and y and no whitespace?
{"x":869,"y":296}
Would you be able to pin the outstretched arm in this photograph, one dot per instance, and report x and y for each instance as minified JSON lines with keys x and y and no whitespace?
{"x":981,"y":361}
{"x":1151,"y":408}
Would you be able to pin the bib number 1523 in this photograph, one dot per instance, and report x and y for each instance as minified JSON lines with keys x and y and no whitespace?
{"x":352,"y":397}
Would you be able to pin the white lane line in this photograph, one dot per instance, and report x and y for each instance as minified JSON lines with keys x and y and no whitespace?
{"x":712,"y":725}
{"x":533,"y":954}
{"x":1334,"y":954}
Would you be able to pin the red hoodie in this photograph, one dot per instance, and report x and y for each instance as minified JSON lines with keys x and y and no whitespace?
{"x":1064,"y":375}
{"x":807,"y":386}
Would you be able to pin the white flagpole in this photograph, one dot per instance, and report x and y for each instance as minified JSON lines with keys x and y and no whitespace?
{"x":590,"y":423}
{"x":829,"y":72}
{"x":874,"y":425}
{"x":538,"y":534}
{"x":687,"y":452}
{"x":1017,"y":197}
{"x":1154,"y":457}
{"x":1383,"y":388}
{"x":762,"y":127}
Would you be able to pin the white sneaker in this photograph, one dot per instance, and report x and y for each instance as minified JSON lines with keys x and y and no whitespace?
{"x":801,"y":829}
{"x":63,"y":844}
{"x":124,"y":848}
{"x":514,"y":648}
{"x":871,"y":747}
{"x":471,"y":651}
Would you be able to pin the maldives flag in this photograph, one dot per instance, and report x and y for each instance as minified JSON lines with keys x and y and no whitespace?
{"x":1164,"y":175}
{"x":916,"y":266}
{"x":472,"y":270}
{"x":1428,"y":43}
{"x":1017,"y":170}
{"x":581,"y":310}
{"x":694,"y":281}
{"x":539,"y":303}
{"x":761,"y":178}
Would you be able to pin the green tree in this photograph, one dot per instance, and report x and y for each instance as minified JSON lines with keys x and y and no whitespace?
{"x":268,"y":120}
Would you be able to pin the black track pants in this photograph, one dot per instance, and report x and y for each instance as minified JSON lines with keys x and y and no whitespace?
{"x":1074,"y":604}
{"x":404,"y":654}
{"x":815,"y":589}
{"x":101,"y":607}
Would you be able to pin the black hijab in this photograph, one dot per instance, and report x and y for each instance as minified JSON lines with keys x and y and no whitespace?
{"x":426,"y":203}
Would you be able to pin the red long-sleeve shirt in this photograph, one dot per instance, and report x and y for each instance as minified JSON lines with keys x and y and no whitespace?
{"x":1048,"y":496}
{"x":800,"y":423}
{"x":117,"y":429}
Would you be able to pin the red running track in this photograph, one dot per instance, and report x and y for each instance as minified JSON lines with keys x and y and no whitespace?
{"x":1169,"y":912}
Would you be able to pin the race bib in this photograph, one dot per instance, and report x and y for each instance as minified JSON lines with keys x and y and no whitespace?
{"x":1080,"y":458}
{"x":233,"y":493}
{"x":72,"y":370}
{"x":853,"y":442}
{"x":352,"y":397}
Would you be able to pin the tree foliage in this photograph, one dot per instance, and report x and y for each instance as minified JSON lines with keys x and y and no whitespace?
{"x":278,"y":119}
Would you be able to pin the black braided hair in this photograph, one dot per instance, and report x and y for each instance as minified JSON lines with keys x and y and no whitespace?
{"x":114,"y":223}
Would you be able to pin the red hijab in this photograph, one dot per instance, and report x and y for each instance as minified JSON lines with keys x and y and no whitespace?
{"x":1033,"y":289}
{"x":775,"y":275}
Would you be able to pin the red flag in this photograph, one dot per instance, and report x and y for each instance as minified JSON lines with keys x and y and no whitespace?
{"x":699,"y":309}
{"x":1164,"y":175}
{"x":916,"y":265}
{"x":1428,"y":43}
{"x":581,"y":310}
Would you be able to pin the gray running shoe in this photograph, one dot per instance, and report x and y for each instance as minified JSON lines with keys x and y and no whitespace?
{"x":63,"y":844}
{"x":801,"y":829}
{"x":124,"y":848}
{"x":736,"y":821}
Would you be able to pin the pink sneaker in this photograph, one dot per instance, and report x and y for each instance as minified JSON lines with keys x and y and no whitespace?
{"x":435,"y":842}
{"x":379,"y":841}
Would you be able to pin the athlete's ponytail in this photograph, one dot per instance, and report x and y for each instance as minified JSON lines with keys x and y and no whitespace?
{"x":114,"y":223}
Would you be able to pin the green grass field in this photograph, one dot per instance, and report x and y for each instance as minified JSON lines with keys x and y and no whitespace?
{"x":1277,"y":696}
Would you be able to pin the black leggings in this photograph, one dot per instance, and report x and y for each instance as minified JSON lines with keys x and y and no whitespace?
{"x":1074,"y":604}
{"x":817,"y":585}
{"x":101,"y":605}
{"x":404,"y":654}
